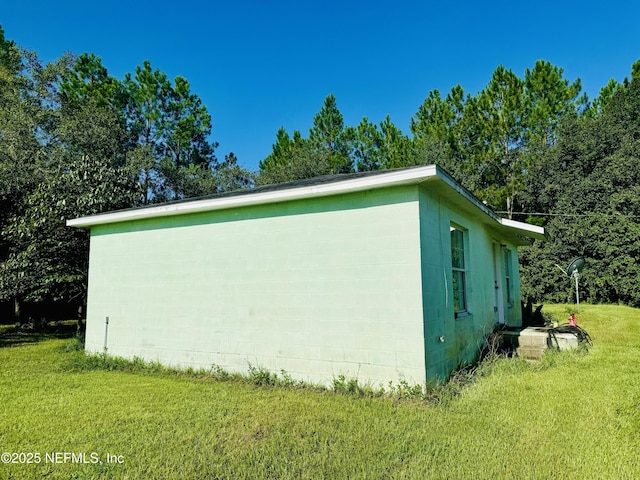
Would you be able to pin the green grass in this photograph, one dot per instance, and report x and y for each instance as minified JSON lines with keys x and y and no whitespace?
{"x":6,"y":328}
{"x":573,"y":415}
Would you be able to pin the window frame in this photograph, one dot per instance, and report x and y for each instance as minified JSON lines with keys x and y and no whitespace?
{"x":508,"y":275}
{"x":459,"y":270}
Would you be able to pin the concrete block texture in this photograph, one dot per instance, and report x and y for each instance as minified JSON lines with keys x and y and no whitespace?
{"x":317,"y":288}
{"x":356,"y":284}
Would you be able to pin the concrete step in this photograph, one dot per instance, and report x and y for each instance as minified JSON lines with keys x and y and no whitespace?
{"x":531,"y":353}
{"x":532,"y":342}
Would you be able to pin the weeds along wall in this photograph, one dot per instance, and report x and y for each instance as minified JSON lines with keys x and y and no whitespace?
{"x":319,"y":288}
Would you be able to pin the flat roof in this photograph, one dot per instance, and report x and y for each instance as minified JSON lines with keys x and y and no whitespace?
{"x":437,"y":178}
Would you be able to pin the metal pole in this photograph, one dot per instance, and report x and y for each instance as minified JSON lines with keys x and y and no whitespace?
{"x":106,"y":330}
{"x":576,"y":274}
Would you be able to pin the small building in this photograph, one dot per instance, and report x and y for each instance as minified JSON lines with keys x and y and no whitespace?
{"x":394,"y":275}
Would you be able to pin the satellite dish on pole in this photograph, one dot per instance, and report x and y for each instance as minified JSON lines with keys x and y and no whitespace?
{"x":573,"y":270}
{"x":575,"y":266}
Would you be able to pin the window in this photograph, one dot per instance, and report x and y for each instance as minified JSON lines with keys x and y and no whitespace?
{"x":458,"y":267}
{"x":507,"y":275}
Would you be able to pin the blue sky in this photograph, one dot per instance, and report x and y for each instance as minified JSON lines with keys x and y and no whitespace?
{"x":259,"y":65}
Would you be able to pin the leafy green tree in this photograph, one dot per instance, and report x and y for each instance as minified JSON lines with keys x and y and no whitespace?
{"x":376,"y":148}
{"x":28,"y":117}
{"x":230,"y":176}
{"x":289,"y":158}
{"x":325,"y":151}
{"x":170,"y":122}
{"x":76,"y":159}
{"x":17,"y":144}
{"x":441,"y":137}
{"x":498,"y":112}
{"x":75,"y":141}
{"x":366,"y":142}
{"x":436,"y":117}
{"x":89,"y":80}
{"x":635,"y":70}
{"x":47,"y":261}
{"x":294,"y":159}
{"x":10,"y":62}
{"x":186,"y":127}
{"x":548,"y":97}
{"x":490,"y":141}
{"x":282,"y":149}
{"x":227,"y":176}
{"x":165,"y":128}
{"x":591,"y":191}
{"x":396,"y":149}
{"x":327,"y":136}
{"x":596,"y":107}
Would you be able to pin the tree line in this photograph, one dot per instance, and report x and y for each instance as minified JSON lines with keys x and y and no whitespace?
{"x":76,"y":141}
{"x":534,"y":148}
{"x":487,"y":141}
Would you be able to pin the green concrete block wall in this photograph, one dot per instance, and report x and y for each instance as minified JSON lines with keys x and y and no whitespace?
{"x":462,"y":336}
{"x":356,"y":285}
{"x":318,"y":288}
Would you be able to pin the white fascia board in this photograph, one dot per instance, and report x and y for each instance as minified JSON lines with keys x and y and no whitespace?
{"x":470,"y":197}
{"x":392,"y":178}
{"x":526,"y":229}
{"x":520,"y":228}
{"x":388,"y":179}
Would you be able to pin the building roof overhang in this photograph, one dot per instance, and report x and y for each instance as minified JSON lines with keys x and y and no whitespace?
{"x":432,"y":176}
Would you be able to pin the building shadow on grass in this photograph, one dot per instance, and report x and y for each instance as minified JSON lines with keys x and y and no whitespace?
{"x":15,"y":336}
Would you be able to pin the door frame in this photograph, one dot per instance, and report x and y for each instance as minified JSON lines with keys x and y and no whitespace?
{"x":498,"y":284}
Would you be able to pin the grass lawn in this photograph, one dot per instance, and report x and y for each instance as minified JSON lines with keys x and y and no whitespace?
{"x":570,"y":416}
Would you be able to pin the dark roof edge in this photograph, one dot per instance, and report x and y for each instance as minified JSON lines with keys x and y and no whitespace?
{"x":307,"y":188}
